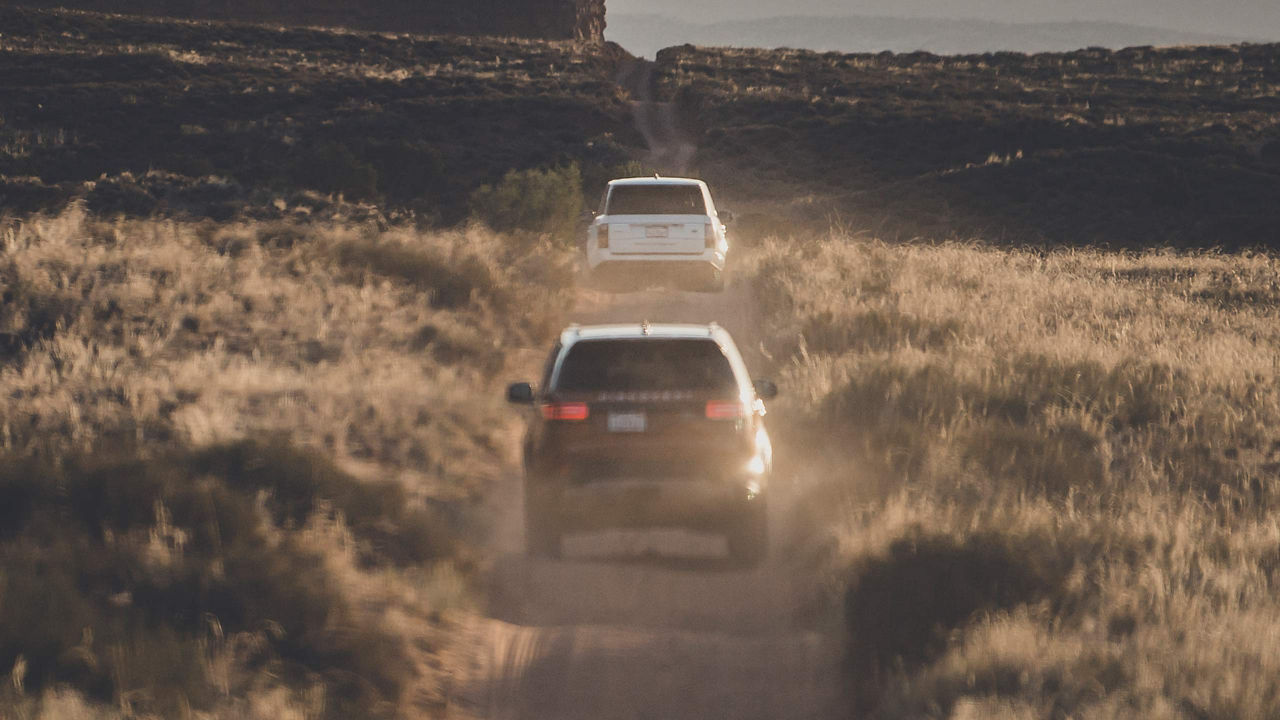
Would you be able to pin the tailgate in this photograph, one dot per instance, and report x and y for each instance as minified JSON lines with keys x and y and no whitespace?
{"x":640,"y":235}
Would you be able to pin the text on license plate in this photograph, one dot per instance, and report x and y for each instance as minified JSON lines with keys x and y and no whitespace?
{"x":655,"y":232}
{"x":627,"y":422}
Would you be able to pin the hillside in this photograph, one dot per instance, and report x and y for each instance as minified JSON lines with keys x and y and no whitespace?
{"x":208,"y":118}
{"x":1134,"y":148}
{"x":647,"y":34}
{"x":1129,"y":148}
{"x":579,"y":20}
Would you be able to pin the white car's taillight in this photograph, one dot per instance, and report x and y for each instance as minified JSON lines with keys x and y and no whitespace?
{"x":602,"y":237}
{"x":710,"y":236}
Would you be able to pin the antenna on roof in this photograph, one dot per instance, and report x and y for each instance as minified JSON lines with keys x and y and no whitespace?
{"x":656,"y":176}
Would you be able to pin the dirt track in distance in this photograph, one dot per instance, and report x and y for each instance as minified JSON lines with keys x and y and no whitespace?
{"x":671,"y":150}
{"x":647,"y":624}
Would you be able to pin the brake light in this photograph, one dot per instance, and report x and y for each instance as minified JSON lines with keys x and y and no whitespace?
{"x":602,"y":236}
{"x":711,"y":236}
{"x":721,"y":410}
{"x":569,"y":411}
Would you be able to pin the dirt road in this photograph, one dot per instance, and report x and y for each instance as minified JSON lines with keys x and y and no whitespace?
{"x":671,"y":150}
{"x":649,"y":624}
{"x":644,"y":625}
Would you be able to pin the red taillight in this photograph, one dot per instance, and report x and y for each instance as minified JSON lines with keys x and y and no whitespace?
{"x":711,"y":236}
{"x":721,"y":410}
{"x":571,"y":411}
{"x":602,"y":236}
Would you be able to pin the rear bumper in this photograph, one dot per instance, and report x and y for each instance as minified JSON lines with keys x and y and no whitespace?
{"x":653,"y":503}
{"x":654,"y":262}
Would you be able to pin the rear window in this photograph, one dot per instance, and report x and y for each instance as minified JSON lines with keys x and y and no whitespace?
{"x":639,"y":365}
{"x":656,"y":200}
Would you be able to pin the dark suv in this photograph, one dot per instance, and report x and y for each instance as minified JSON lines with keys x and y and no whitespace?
{"x":646,"y":426}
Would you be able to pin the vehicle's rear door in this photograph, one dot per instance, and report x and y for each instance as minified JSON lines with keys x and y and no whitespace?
{"x":654,"y":408}
{"x":657,"y":219}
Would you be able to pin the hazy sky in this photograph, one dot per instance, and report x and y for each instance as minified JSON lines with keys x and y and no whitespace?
{"x":1249,"y":18}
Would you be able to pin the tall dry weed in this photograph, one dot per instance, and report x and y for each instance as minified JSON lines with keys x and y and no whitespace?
{"x":240,"y":461}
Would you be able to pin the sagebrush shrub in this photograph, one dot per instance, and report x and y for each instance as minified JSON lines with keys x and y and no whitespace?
{"x":452,"y":281}
{"x":538,"y":200}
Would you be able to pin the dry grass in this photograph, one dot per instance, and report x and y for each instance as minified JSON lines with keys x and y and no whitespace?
{"x":240,"y":461}
{"x":1051,"y":480}
{"x":1045,"y":483}
{"x":344,"y":337}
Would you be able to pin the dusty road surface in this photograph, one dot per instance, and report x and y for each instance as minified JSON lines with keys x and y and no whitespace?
{"x":644,"y":624}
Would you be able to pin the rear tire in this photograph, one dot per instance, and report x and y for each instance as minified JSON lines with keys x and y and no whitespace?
{"x":749,"y":536}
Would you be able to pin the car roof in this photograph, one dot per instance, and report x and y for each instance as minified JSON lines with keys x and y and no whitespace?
{"x":656,"y":181}
{"x":640,"y":331}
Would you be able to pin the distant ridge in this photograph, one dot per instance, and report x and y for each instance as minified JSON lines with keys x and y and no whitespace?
{"x":581,"y":20}
{"x":646,"y":34}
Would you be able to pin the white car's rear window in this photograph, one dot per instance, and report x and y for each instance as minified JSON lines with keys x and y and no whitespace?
{"x":656,"y":200}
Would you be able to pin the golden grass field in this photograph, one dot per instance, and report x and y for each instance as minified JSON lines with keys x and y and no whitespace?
{"x":245,"y":461}
{"x":1049,"y":479}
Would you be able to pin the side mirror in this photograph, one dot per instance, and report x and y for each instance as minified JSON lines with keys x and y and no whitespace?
{"x":587,"y":216}
{"x":520,"y":394}
{"x":766,"y":389}
{"x":726,"y":217}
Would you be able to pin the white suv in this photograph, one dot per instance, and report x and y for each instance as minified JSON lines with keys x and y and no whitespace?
{"x":658,"y":228}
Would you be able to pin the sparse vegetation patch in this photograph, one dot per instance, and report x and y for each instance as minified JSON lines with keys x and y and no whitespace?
{"x":1064,"y":509}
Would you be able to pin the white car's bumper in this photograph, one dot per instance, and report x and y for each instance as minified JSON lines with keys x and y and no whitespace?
{"x":598,"y":258}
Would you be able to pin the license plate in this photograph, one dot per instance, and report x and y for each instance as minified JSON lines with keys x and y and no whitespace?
{"x":655,"y":232}
{"x":627,"y":422}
